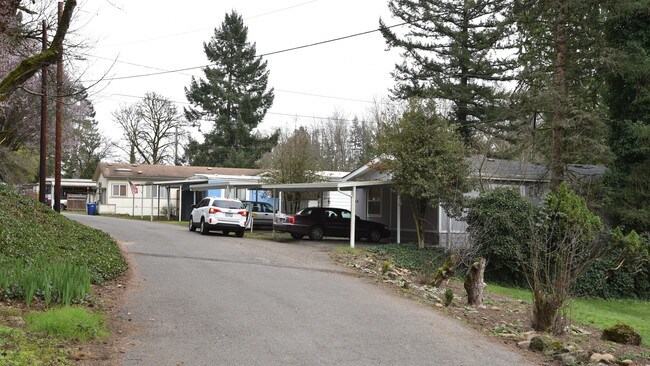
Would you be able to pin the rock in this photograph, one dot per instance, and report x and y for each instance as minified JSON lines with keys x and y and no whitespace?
{"x":537,"y":344}
{"x":622,"y":333}
{"x":495,"y":308}
{"x":626,"y":363}
{"x":565,"y":359}
{"x":439,"y":305}
{"x":605,"y":358}
{"x":527,"y":336}
{"x":524,"y":344}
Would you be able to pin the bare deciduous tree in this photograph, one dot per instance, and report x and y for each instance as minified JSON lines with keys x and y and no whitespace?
{"x":151,"y":129}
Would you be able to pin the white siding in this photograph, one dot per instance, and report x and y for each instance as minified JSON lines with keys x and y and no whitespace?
{"x":337,"y":199}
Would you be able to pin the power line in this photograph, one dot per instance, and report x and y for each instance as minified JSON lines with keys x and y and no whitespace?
{"x":272,"y":113}
{"x":202,"y":29}
{"x":262,"y":55}
{"x":279,"y":90}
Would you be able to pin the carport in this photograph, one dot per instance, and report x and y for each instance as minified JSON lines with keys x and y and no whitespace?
{"x":278,"y":189}
{"x":350,"y":186}
{"x":181,"y":185}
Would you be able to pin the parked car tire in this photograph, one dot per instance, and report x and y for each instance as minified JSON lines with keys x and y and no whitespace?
{"x":204,"y":228}
{"x":316,"y":232}
{"x":374,"y":235}
{"x":296,"y":236}
{"x":240,"y":233}
{"x":191,"y":225}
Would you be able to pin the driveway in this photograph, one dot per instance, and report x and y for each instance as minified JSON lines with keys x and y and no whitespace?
{"x":217,"y":300}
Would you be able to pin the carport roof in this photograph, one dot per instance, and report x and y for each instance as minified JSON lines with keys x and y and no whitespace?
{"x":225,"y":184}
{"x":325,"y":186}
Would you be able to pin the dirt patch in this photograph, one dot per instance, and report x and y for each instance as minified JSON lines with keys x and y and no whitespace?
{"x":502,"y":318}
{"x":110,"y":298}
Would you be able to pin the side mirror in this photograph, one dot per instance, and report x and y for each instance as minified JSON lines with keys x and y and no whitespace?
{"x":193,"y":206}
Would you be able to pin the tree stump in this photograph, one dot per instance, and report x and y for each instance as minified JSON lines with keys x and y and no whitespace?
{"x":446,"y":271}
{"x":474,"y":284}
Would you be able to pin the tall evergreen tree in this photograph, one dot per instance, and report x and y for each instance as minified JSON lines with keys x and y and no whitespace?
{"x":454,"y":51}
{"x":628,"y":97}
{"x":559,"y":52}
{"x":234,"y":96}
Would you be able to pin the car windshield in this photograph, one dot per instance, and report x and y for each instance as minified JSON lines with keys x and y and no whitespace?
{"x":227,"y":204}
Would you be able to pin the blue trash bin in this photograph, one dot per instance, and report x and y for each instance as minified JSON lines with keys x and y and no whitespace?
{"x":91,"y":208}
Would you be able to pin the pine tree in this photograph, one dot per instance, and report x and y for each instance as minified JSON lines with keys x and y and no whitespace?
{"x":454,"y":51}
{"x":628,"y":97}
{"x":234,"y":96}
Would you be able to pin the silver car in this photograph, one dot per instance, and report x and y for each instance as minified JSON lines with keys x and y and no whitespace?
{"x":262,"y":213}
{"x":215,"y":213}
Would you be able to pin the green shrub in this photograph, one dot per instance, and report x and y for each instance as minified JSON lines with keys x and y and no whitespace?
{"x":499,"y":223}
{"x":625,"y":283}
{"x":449,"y":297}
{"x":31,"y":230}
{"x":409,"y":256}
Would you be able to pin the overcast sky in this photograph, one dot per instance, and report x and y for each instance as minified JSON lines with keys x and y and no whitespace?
{"x":169,"y":35}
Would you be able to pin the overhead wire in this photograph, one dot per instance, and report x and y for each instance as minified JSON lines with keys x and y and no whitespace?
{"x":272,"y":113}
{"x":278,"y":90}
{"x":202,"y":29}
{"x":261,"y":55}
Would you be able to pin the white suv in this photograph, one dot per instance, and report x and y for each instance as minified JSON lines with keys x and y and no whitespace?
{"x":215,"y":213}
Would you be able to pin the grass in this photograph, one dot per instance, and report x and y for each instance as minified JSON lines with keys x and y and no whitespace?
{"x":22,"y":349}
{"x":31,"y":230}
{"x":46,"y":256}
{"x":69,"y":323}
{"x":598,"y":313}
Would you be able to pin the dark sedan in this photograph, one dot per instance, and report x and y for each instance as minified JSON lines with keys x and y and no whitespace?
{"x":317,"y":222}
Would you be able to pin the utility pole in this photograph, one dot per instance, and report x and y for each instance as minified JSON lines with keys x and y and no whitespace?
{"x":176,"y":145}
{"x":42,"y":170}
{"x":59,"y":124}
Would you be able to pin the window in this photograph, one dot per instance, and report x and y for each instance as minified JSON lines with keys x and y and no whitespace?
{"x":152,"y":191}
{"x":374,"y":202}
{"x":346,"y":214}
{"x":119,"y":190}
{"x":329,"y":214}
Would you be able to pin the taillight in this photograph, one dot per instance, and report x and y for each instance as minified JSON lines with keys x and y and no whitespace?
{"x":292,"y":219}
{"x":214,"y":210}
{"x":243,"y":213}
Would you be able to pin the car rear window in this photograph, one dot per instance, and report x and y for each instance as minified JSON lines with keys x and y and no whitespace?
{"x":227,"y":204}
{"x":305,"y":212}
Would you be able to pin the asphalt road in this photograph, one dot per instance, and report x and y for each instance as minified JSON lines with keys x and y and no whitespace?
{"x":216,"y":300}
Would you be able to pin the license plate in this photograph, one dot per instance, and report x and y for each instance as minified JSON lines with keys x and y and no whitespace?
{"x":228,"y":214}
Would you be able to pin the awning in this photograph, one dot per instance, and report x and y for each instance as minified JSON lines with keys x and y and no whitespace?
{"x":326,"y":186}
{"x":226,"y":184}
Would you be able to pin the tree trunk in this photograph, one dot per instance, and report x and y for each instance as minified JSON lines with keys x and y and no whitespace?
{"x":559,"y":114}
{"x":419,"y":208}
{"x":474,"y":284}
{"x":546,"y":315}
